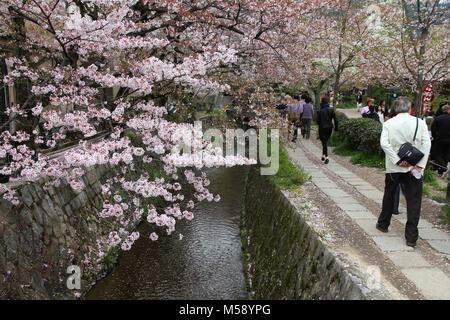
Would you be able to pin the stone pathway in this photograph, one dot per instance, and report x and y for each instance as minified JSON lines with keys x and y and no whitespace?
{"x":350,"y":113}
{"x":430,"y":280}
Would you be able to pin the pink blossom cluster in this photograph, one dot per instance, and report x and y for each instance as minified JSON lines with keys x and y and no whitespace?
{"x":103,"y":70}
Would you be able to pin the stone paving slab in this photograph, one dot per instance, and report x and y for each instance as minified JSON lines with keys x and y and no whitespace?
{"x":391,"y":244}
{"x":343,"y":199}
{"x":377,"y":195}
{"x":375,"y":199}
{"x":338,"y":194}
{"x":351,"y":207}
{"x":326,"y":184}
{"x":320,"y":179}
{"x":358,"y":182}
{"x":344,"y":171}
{"x":369,"y":227}
{"x":361,"y":215}
{"x":318,"y":175}
{"x":433,"y":234}
{"x":433,"y":283}
{"x":408,"y":260}
{"x":443,"y":246}
{"x":366,"y":189}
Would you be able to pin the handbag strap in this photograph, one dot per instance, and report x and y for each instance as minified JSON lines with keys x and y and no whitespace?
{"x":417,"y":128}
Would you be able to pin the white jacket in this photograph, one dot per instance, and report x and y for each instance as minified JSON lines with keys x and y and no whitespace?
{"x":399,"y":130}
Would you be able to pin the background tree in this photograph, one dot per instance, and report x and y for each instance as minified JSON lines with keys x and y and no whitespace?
{"x":414,"y":46}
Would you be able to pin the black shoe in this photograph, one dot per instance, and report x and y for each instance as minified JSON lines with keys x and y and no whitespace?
{"x":384,"y":230}
{"x":411,"y":244}
{"x":323,"y":158}
{"x":396,"y":213}
{"x":327,"y":161}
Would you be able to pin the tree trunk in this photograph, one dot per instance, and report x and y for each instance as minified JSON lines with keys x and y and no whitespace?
{"x":418,"y":102}
{"x":316,"y":99}
{"x":336,"y":88}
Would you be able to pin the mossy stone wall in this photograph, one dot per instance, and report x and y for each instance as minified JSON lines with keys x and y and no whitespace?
{"x":285,"y":258}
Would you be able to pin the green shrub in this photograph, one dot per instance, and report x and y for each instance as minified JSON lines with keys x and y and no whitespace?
{"x":429,"y":177}
{"x":336,"y":139}
{"x":362,"y":134}
{"x":373,"y":160}
{"x":360,"y":139}
{"x":341,"y":116}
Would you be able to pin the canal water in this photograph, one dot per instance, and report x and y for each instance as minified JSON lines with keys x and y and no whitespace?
{"x":205,"y":264}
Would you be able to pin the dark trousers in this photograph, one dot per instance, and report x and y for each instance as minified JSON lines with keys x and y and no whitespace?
{"x":442,"y":154}
{"x":397,"y":199}
{"x":325,"y":134}
{"x":294,"y":126}
{"x":412,"y":189}
{"x":306,"y":128}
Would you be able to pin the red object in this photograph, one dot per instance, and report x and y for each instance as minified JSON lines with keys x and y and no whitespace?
{"x":427,"y":98}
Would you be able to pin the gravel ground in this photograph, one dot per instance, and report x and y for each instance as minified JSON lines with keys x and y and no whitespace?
{"x":355,"y":249}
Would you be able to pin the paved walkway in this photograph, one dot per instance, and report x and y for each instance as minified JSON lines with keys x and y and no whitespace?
{"x":430,"y":280}
{"x":350,"y":113}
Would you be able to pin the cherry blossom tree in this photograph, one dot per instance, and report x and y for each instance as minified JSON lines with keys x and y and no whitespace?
{"x":327,"y":49}
{"x":104,"y":69}
{"x":413,"y":45}
{"x":347,"y":34}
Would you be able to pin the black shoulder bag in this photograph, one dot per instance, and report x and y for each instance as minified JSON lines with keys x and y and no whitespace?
{"x":409,"y":153}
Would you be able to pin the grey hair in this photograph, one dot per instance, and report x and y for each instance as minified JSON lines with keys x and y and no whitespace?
{"x":402,"y":105}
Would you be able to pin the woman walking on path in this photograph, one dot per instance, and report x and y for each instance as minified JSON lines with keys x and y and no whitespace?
{"x":325,"y":118}
{"x":307,"y":116}
{"x":295,"y":109}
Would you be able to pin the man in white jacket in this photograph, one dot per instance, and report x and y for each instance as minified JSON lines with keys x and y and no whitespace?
{"x":396,"y":132}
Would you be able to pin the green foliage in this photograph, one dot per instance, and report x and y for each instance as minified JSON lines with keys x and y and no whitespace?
{"x":426,"y":190}
{"x":379,"y":93}
{"x":341,"y":116}
{"x":336,"y":140}
{"x":446,"y":214}
{"x":362,"y":134}
{"x":359,"y":139}
{"x":373,"y":160}
{"x":347,"y":102}
{"x":110,"y":259}
{"x":289,"y":175}
{"x":429,"y":177}
{"x":440,"y":100}
{"x":368,"y":159}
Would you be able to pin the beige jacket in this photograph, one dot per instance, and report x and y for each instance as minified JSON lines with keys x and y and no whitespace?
{"x":399,"y":130}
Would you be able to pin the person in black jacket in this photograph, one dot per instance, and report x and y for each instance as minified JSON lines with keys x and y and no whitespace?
{"x":325,"y":118}
{"x":440,"y":131}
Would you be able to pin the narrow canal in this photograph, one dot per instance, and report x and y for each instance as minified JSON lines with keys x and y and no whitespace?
{"x":205,"y":264}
